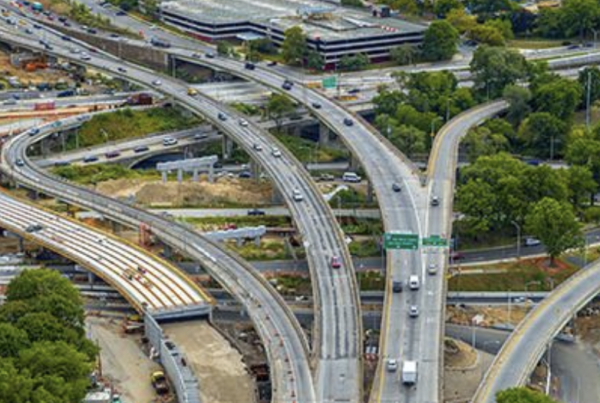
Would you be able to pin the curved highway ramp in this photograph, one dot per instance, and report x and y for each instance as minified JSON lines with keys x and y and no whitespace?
{"x":149,"y":283}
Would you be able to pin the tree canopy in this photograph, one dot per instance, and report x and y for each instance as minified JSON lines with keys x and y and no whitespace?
{"x":522,"y":395}
{"x":440,"y":41}
{"x":494,"y":68}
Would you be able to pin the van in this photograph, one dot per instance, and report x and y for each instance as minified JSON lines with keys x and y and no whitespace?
{"x":413,"y":282}
{"x":409,"y":372}
{"x":351,"y":177}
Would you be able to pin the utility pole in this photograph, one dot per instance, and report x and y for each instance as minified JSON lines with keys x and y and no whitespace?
{"x":588,"y":98}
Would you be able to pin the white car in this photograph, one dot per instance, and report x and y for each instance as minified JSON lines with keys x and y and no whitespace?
{"x":257,"y":147}
{"x":157,"y":82}
{"x":85,"y":56}
{"x":392,"y":365}
{"x":276,"y":153}
{"x":169,"y":141}
{"x":530,"y":241}
{"x":243,"y":122}
{"x":432,"y":269}
{"x":297,"y":195}
{"x":413,"y":311}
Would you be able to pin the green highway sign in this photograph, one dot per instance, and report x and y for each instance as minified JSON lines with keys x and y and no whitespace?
{"x":329,"y":82}
{"x":395,"y":240}
{"x":435,"y":240}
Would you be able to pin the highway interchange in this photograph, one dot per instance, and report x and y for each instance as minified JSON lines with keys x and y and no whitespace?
{"x":409,"y":211}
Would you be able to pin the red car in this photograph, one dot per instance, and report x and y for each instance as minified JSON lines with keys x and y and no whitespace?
{"x":336,"y":262}
{"x":456,"y":256}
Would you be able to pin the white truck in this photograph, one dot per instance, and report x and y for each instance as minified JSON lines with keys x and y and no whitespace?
{"x":409,"y":372}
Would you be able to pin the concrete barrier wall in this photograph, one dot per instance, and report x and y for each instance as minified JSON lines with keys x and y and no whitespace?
{"x":179,"y":373}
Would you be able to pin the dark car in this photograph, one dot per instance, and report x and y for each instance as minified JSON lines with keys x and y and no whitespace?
{"x":316,"y":105}
{"x":397,"y":286}
{"x":90,"y":158}
{"x":140,"y":149}
{"x":256,"y":212}
{"x":354,"y":91}
{"x":271,"y":64}
{"x":456,"y":256}
{"x":348,"y":122}
{"x":396,"y":187}
{"x":121,"y":13}
{"x":34,"y":228}
{"x":249,"y":66}
{"x":222,"y":116}
{"x":112,"y":154}
{"x":210,"y":55}
{"x":62,"y":163}
{"x":121,"y":69}
{"x":245,"y":175}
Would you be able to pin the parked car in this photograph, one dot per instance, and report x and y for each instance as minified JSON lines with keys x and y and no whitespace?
{"x":256,"y":212}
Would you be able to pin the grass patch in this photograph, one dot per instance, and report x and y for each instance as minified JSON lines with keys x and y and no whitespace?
{"x":350,"y":199}
{"x":533,"y":43}
{"x":309,"y":151}
{"x":370,"y":281}
{"x":211,"y":222}
{"x":513,"y":277}
{"x":268,"y":250}
{"x":246,"y":109}
{"x":127,"y":123}
{"x":364,"y":248}
{"x":93,"y":174}
{"x":289,"y":284}
{"x":362,"y":226}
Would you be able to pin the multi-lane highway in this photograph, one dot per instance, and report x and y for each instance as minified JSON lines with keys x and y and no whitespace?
{"x":337,"y":333}
{"x":149,"y":283}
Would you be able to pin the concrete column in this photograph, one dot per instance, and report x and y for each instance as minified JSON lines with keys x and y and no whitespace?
{"x":370,"y":192}
{"x":164,"y":176}
{"x":256,"y":170}
{"x":116,"y":228}
{"x":180,"y":175}
{"x":91,"y":278}
{"x":195,"y":175}
{"x":324,"y":133}
{"x":276,"y":197}
{"x":354,"y":163}
{"x":239,"y":242}
{"x":227,"y":147}
{"x":168,"y":251}
{"x":21,"y":245}
{"x":211,"y":173}
{"x":257,"y":241}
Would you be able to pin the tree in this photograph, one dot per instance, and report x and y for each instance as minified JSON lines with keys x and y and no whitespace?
{"x":494,"y":68}
{"x":462,"y":21}
{"x":559,"y":97}
{"x":406,"y":6}
{"x":386,"y":102}
{"x":579,"y":16}
{"x":482,"y":141}
{"x":440,"y":41}
{"x":39,"y":283}
{"x":522,"y":395}
{"x":593,"y":73}
{"x":404,"y":54}
{"x":581,"y":184}
{"x":518,"y":100}
{"x":294,"y":45}
{"x":543,"y":134}
{"x":443,"y":7}
{"x":549,"y":24}
{"x":314,"y":60}
{"x":488,"y":35}
{"x":12,"y":340}
{"x":488,"y":8}
{"x":278,"y":107}
{"x":476,"y":200}
{"x":15,"y":386}
{"x":356,"y":62}
{"x":555,"y":224}
{"x":409,"y":139}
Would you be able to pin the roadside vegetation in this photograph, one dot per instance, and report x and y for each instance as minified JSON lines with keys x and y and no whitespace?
{"x":44,"y":354}
{"x":522,"y":395}
{"x":128,"y":123}
{"x":94,"y":174}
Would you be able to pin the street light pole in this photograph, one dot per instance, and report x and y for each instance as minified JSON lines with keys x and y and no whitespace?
{"x":518,"y":238}
{"x":588,"y":98}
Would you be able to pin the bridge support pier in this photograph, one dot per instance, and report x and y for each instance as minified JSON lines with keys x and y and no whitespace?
{"x":324,"y":135}
{"x":179,"y":175}
{"x":257,"y":241}
{"x":168,"y":251}
{"x":195,"y":175}
{"x":370,"y":192}
{"x":227,"y":147}
{"x":276,"y":197}
{"x":211,"y":173}
{"x":21,"y":245}
{"x":164,"y":176}
{"x":256,"y":170}
{"x":354,"y":163}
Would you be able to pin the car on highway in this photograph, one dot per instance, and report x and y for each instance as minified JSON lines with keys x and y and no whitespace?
{"x":256,"y":212}
{"x":432,"y":269}
{"x":10,"y":101}
{"x":354,"y":91}
{"x":413,"y":311}
{"x":271,"y":64}
{"x":85,"y":56}
{"x":222,"y":116}
{"x":158,"y":83}
{"x":396,"y":187}
{"x":348,"y":122}
{"x":297,"y":195}
{"x":19,"y":162}
{"x":413,"y":282}
{"x":62,"y":163}
{"x":245,"y":175}
{"x":141,"y":149}
{"x":243,"y":123}
{"x":75,"y":51}
{"x":531,"y":241}
{"x":90,"y":158}
{"x":391,"y":365}
{"x":200,"y":136}
{"x":28,"y":31}
{"x":112,"y":154}
{"x":276,"y":153}
{"x":121,"y":70}
{"x":34,"y":228}
{"x":169,"y":141}
{"x":435,"y":201}
{"x":456,"y":256}
{"x":120,"y":13}
{"x":336,"y":262}
{"x":209,"y":55}
{"x":316,"y":105}
{"x":397,"y":286}
{"x":257,"y":147}
{"x":249,"y":66}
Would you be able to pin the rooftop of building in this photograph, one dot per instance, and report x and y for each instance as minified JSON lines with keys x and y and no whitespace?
{"x":318,"y":19}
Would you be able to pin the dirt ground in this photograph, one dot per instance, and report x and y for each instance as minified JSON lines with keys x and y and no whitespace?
{"x":36,"y":77}
{"x":222,"y":374}
{"x":491,"y":315}
{"x":123,"y":361}
{"x":226,"y":191}
{"x":464,"y":369}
